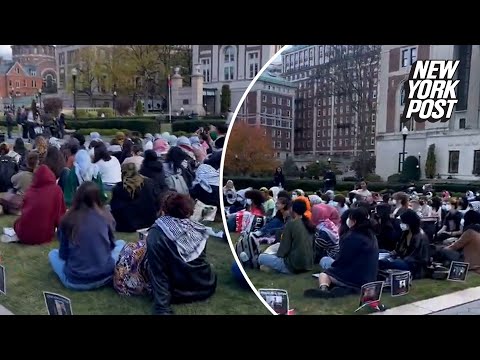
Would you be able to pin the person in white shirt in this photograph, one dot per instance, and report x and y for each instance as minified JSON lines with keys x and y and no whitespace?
{"x":148,"y":145}
{"x":136,"y":159}
{"x":108,"y":166}
{"x":363,"y":191}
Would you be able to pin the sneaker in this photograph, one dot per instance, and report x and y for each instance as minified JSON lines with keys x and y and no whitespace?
{"x":265,"y":269}
{"x":322,"y":292}
{"x":8,"y":239}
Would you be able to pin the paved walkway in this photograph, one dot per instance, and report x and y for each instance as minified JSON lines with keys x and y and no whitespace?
{"x":4,"y":311}
{"x":471,"y":308}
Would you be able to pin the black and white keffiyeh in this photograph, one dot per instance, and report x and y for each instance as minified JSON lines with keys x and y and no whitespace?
{"x":189,"y":236}
{"x":207,"y":177}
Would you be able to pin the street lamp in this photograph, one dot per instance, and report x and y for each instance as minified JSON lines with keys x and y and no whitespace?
{"x":113,"y":102}
{"x":40,"y":97}
{"x":74,"y":78}
{"x":329,"y":161}
{"x":404,"y":135}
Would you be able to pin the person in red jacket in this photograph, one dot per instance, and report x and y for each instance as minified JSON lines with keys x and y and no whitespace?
{"x":43,"y":207}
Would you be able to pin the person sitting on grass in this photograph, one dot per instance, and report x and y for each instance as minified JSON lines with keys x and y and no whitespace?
{"x":467,"y":248}
{"x":12,"y":201}
{"x":18,"y":153}
{"x":308,"y":206}
{"x":70,"y":149}
{"x":356,"y":263}
{"x":205,"y":187}
{"x":134,"y":203}
{"x":277,"y":223}
{"x":136,"y":157}
{"x":42,"y":209}
{"x":295,"y":253}
{"x":401,"y":202}
{"x":83,"y":170}
{"x":152,"y":168}
{"x":56,"y":162}
{"x":451,"y":224}
{"x":341,"y":205}
{"x":387,"y":230}
{"x":108,"y":166}
{"x":412,"y":251}
{"x":269,"y":204}
{"x":326,"y":235}
{"x":176,"y":253}
{"x":88,"y":250}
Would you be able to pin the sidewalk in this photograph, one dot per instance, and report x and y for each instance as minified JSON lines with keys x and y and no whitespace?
{"x":458,"y":303}
{"x":4,"y":311}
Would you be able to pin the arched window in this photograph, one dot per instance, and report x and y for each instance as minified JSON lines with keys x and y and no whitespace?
{"x":229,"y":63}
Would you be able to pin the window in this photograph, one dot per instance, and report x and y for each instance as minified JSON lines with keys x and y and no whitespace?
{"x":253,"y":64}
{"x":476,"y":162}
{"x":24,"y":83}
{"x":264,"y":98}
{"x":229,"y":63}
{"x":462,"y":123}
{"x":324,"y":132}
{"x":374,"y":95}
{"x":17,"y":83}
{"x":279,"y":101}
{"x":328,"y":143}
{"x":319,"y":112}
{"x":279,"y":144}
{"x":274,"y":111}
{"x":288,"y":134}
{"x":372,"y":141}
{"x":340,"y":142}
{"x":289,"y":102}
{"x":374,"y":117}
{"x":409,"y":56}
{"x":279,"y":133}
{"x":288,"y":112}
{"x":206,"y":69}
{"x":274,"y":100}
{"x":373,"y":129}
{"x":185,"y":101}
{"x":453,"y":159}
{"x":347,"y":131}
{"x":463,"y":74}
{"x":287,"y":145}
{"x":10,"y":83}
{"x":61,"y":59}
{"x":346,"y":142}
{"x":17,"y":70}
{"x":264,"y":109}
{"x":274,"y":133}
{"x":347,"y":110}
{"x":323,"y":143}
{"x":341,"y":109}
{"x":402,"y":95}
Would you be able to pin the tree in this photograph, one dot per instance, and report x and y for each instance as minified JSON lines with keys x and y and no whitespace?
{"x":289,"y":168}
{"x":431,"y":163}
{"x":249,"y":151}
{"x":363,"y":165}
{"x":122,"y":105}
{"x":353,"y":73}
{"x":411,"y":169}
{"x":226,"y":99}
{"x":89,"y":72}
{"x":139,"y":108}
{"x":53,"y":105}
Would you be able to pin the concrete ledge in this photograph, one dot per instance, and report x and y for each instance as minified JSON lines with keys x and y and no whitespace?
{"x":439,"y":303}
{"x":5,"y":311}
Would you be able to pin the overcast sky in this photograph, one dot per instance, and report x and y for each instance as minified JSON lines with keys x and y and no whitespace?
{"x":5,"y":51}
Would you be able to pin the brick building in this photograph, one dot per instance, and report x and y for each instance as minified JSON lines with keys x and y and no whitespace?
{"x":42,"y":57}
{"x":270,"y":105}
{"x":233,"y":65}
{"x":457,"y":141}
{"x":17,"y":80}
{"x":326,"y":122}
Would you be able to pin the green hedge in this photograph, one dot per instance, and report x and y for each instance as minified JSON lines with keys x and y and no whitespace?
{"x":142,"y":125}
{"x":314,"y":185}
{"x":190,"y":126}
{"x":102,"y":132}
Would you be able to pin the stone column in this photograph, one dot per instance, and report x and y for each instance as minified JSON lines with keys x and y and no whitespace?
{"x":197,"y":90}
{"x":474,"y":89}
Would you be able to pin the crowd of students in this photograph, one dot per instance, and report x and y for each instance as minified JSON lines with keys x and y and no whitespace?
{"x":354,"y":238}
{"x":63,"y":190}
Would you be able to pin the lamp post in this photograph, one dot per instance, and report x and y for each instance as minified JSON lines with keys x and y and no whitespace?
{"x":329,"y":161}
{"x":419,"y":163}
{"x":40,"y":98}
{"x":74,"y":78}
{"x":113,"y":101}
{"x":404,"y":135}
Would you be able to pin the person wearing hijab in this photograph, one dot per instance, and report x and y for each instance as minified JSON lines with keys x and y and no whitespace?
{"x":198,"y":150}
{"x":184,"y":144}
{"x":172,"y":140}
{"x":205,"y":187}
{"x":326,"y":235}
{"x":137,"y":157}
{"x":134,"y":203}
{"x":176,"y":253}
{"x":161,"y":147}
{"x":120,"y":138}
{"x":42,"y":209}
{"x":95,"y":136}
{"x":148,"y":142}
{"x":315,"y":200}
{"x":83,"y":170}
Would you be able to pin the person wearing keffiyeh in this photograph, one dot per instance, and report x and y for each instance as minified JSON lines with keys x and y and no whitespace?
{"x":205,"y":187}
{"x":326,"y":235}
{"x":176,"y":252}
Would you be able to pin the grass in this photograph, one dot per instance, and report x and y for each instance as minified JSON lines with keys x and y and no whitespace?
{"x":297,"y":284}
{"x":29,"y":274}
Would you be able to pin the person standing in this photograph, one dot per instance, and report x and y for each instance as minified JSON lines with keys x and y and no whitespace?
{"x":10,"y":122}
{"x":279,"y":178}
{"x":61,"y":125}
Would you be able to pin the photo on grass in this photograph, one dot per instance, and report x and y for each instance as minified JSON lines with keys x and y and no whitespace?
{"x":277,"y":299}
{"x":458,"y":271}
{"x":3,"y":281}
{"x":370,"y":293}
{"x":400,"y":283}
{"x":57,"y":304}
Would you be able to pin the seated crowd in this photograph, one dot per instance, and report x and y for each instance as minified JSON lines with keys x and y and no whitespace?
{"x":356,"y":238}
{"x":63,"y":190}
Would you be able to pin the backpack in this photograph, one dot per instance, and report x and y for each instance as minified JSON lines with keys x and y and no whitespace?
{"x":247,"y":247}
{"x":131,"y":271}
{"x":177,"y":182}
{"x":8,"y":168}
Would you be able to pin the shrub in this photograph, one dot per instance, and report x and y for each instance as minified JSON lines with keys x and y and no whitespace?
{"x":181,"y":133}
{"x":107,"y":111}
{"x":83,"y":113}
{"x":411,"y":171}
{"x":122,"y":105}
{"x":53,"y":105}
{"x":289,"y":168}
{"x":142,"y":125}
{"x":373,"y":178}
{"x":139,"y":108}
{"x":350,"y":178}
{"x":102,"y":132}
{"x":190,"y":126}
{"x":431,"y":163}
{"x":395,"y":178}
{"x":226,"y":99}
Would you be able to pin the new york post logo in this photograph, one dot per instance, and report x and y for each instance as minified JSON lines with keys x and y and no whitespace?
{"x":430,"y":91}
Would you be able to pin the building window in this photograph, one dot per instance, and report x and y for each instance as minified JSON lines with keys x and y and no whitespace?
{"x":346,"y":142}
{"x":372,"y":141}
{"x":264,"y":98}
{"x":280,"y":112}
{"x":274,"y":111}
{"x":279,"y":101}
{"x":264,"y":109}
{"x":340,"y":142}
{"x":279,"y":144}
{"x":373,"y":129}
{"x":374,"y":117}
{"x":289,"y":102}
{"x":402,"y":95}
{"x":206,"y":69}
{"x":476,"y":162}
{"x":229,"y":63}
{"x":253,"y":64}
{"x":453,"y":159}
{"x":288,"y":134}
{"x":288,"y":112}
{"x":17,"y":83}
{"x":274,"y":100}
{"x":328,"y":143}
{"x":274,"y":133}
{"x":463,"y":74}
{"x":185,"y":101}
{"x":409,"y":56}
{"x":287,"y":145}
{"x":279,"y":133}
{"x":462,"y":123}
{"x":24,"y":83}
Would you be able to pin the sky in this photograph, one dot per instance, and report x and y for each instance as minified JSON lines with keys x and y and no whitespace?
{"x":5,"y":51}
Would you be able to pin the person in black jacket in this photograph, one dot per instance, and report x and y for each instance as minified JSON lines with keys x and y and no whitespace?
{"x":10,"y":123}
{"x":356,"y":263}
{"x":176,"y":252}
{"x":412,"y":252}
{"x":279,"y":178}
{"x":387,"y":230}
{"x":134,"y":203}
{"x":152,"y":168}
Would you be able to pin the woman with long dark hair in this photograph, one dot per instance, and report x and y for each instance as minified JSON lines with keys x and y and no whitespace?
{"x":356,"y":263}
{"x":387,"y":231}
{"x":279,"y":178}
{"x":295,"y":253}
{"x":152,"y":168}
{"x":108,"y":166}
{"x":88,"y":250}
{"x":18,"y":152}
{"x":55,"y":161}
{"x":411,"y":253}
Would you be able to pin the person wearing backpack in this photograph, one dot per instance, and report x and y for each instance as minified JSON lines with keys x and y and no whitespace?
{"x":176,"y":252}
{"x":8,"y":168}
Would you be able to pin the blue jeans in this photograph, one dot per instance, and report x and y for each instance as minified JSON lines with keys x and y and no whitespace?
{"x":326,"y":262}
{"x":274,"y":262}
{"x":58,"y":266}
{"x":394,"y":264}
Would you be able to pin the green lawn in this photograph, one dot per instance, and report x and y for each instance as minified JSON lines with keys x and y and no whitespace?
{"x":297,"y":284}
{"x":29,"y":274}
